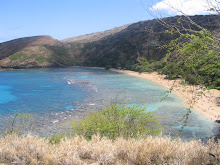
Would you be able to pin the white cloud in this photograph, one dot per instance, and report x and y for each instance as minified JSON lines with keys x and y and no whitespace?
{"x":178,"y":7}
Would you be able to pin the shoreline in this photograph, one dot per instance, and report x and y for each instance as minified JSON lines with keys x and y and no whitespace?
{"x":206,"y":102}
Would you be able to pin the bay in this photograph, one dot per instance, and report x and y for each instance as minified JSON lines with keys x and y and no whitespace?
{"x":61,"y":94}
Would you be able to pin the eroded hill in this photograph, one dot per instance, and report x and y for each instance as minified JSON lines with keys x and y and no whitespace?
{"x":119,"y":47}
{"x":28,"y":52}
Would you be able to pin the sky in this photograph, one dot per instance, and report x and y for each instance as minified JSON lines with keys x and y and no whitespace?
{"x":63,"y":19}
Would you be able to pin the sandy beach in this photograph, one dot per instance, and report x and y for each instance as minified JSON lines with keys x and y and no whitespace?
{"x":206,"y":102}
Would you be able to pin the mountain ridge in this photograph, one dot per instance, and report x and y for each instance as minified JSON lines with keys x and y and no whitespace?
{"x":117,"y":47}
{"x":26,"y":52}
{"x":94,"y":36}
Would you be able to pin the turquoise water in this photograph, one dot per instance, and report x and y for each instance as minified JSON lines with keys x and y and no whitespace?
{"x":61,"y":93}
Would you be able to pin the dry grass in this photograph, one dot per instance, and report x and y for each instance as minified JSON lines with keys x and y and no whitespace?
{"x":152,"y":150}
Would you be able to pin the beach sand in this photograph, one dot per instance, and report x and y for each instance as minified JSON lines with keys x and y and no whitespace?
{"x":206,"y":102}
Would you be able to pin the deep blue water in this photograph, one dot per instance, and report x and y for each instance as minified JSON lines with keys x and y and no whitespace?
{"x":36,"y":91}
{"x":60,"y":90}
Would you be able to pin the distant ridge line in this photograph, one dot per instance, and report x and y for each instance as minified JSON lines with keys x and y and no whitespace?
{"x":95,"y":36}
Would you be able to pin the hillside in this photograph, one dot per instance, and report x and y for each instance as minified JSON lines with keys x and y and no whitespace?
{"x":123,"y":47}
{"x":141,"y":39}
{"x":94,"y":36}
{"x":27,"y":52}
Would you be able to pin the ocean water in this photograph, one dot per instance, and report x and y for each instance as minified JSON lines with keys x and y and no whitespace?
{"x":59,"y":94}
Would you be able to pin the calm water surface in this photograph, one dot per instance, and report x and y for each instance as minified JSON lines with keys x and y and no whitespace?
{"x":60,"y":94}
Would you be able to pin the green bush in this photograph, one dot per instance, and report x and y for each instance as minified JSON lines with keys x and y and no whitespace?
{"x":183,"y":82}
{"x":21,"y":57}
{"x":118,"y":121}
{"x":17,"y":56}
{"x":142,"y":66}
{"x":24,"y":58}
{"x":195,"y":58}
{"x":40,"y":59}
{"x":56,"y":139}
{"x":108,"y":67}
{"x":61,"y":56}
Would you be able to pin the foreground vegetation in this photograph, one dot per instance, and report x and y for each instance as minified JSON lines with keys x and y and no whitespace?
{"x":119,"y":134}
{"x":151,"y":150}
{"x":118,"y":120}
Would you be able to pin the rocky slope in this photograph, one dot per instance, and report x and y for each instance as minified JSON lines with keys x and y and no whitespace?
{"x":118,"y":47}
{"x":95,"y":36}
{"x":27,"y":52}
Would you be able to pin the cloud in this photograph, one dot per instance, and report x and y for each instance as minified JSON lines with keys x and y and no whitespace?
{"x":179,"y":7}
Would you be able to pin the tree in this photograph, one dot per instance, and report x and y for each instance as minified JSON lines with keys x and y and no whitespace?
{"x":194,"y":54}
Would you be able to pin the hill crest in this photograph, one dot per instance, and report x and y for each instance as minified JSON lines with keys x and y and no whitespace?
{"x":10,"y":47}
{"x":118,"y":47}
{"x":94,"y":36}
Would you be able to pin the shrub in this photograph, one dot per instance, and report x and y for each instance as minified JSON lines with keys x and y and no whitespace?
{"x":118,"y":121}
{"x":56,"y":139}
{"x":108,"y":67}
{"x":40,"y":59}
{"x":17,"y":56}
{"x":24,"y":58}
